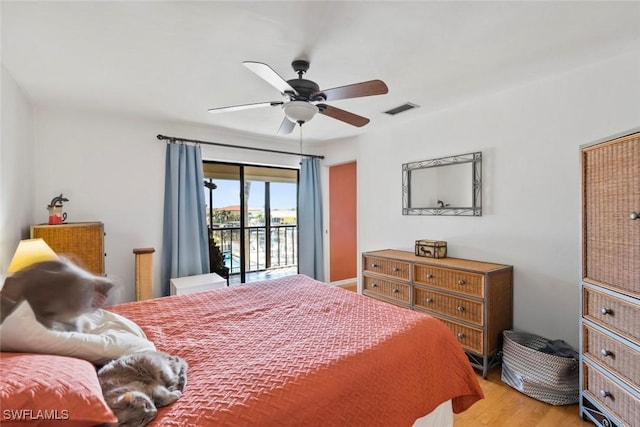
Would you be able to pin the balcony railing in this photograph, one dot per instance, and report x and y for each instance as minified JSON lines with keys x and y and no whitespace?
{"x":280,"y":250}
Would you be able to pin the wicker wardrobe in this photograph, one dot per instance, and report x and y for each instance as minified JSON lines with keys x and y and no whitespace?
{"x":81,"y":242}
{"x":610,"y":285}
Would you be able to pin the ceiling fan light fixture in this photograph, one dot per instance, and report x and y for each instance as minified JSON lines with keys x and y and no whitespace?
{"x":299,"y":111}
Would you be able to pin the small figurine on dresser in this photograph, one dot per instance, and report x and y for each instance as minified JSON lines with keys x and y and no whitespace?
{"x":56,"y":216}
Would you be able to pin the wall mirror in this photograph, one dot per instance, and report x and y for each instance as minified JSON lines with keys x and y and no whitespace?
{"x":444,"y":186}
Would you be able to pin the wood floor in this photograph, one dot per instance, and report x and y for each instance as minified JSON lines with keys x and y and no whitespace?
{"x":504,"y":406}
{"x":353,"y":287}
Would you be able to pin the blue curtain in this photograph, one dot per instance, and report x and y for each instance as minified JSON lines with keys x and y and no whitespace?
{"x":185,"y":240}
{"x":310,"y":254}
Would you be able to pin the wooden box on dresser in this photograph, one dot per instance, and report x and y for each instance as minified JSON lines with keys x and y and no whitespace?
{"x":473,"y":298}
{"x":610,"y":285}
{"x":82,"y":242}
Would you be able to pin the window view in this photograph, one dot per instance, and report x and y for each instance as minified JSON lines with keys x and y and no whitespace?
{"x":252,"y":219}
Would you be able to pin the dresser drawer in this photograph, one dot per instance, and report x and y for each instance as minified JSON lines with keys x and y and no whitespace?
{"x":612,"y":354}
{"x":389,"y":267}
{"x":613,"y":313}
{"x":471,"y":339}
{"x":452,"y":280}
{"x":618,"y":401}
{"x":460,"y":308}
{"x":400,"y":292}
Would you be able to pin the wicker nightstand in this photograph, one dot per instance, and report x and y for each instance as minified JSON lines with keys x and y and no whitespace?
{"x":82,"y":242}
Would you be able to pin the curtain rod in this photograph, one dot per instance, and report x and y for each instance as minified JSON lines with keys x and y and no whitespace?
{"x":220,"y":144}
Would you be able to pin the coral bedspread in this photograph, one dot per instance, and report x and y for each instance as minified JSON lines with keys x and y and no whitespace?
{"x":294,"y":351}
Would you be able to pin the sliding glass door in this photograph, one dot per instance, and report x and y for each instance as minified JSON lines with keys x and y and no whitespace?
{"x":252,"y":217}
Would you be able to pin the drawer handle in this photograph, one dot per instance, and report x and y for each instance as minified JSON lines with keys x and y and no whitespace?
{"x":395,"y":291}
{"x":606,"y":353}
{"x":429,"y":300}
{"x":429,"y":276}
{"x":460,"y":335}
{"x":460,"y":308}
{"x":374,"y":265}
{"x":634,"y":215}
{"x":395,"y":269}
{"x":374,"y":285}
{"x":606,"y":311}
{"x":461,"y":282}
{"x":604,"y":394}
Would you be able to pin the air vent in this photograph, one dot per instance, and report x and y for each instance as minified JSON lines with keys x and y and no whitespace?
{"x":401,"y":108}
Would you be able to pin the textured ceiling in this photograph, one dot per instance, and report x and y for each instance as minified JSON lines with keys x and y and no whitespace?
{"x":174,"y":60}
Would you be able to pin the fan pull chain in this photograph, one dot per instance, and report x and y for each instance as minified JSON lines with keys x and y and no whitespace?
{"x":301,"y":155}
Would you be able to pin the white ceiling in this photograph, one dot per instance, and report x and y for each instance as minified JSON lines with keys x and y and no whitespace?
{"x":174,"y":60}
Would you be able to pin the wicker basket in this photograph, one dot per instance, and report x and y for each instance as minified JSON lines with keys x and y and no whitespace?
{"x":546,"y":377}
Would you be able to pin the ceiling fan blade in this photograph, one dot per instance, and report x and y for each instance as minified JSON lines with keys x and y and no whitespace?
{"x":286,"y":127}
{"x":356,"y":90}
{"x":342,"y":115}
{"x":267,"y":74}
{"x":244,"y":107}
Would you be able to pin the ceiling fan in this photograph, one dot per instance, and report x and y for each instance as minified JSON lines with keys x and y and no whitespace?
{"x":302,"y":98}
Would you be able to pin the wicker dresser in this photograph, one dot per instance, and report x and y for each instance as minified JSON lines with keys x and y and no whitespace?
{"x":610,"y":318}
{"x":473,"y":298}
{"x":82,"y":242}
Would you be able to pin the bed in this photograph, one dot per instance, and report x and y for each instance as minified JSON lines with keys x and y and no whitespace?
{"x":294,"y":351}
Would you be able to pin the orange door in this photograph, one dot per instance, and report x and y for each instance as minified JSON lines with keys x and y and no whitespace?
{"x":342,"y":222}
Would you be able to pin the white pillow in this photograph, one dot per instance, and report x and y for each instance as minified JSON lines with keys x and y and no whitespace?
{"x":105,"y":336}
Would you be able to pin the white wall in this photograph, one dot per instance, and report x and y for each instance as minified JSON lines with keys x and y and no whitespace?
{"x":111,"y":169}
{"x":16,"y":167}
{"x":530,"y":138}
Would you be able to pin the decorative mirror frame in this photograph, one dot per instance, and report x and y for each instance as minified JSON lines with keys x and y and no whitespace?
{"x":476,"y":186}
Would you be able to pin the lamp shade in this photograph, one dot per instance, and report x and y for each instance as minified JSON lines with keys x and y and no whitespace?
{"x":299,"y":111}
{"x":29,"y":252}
